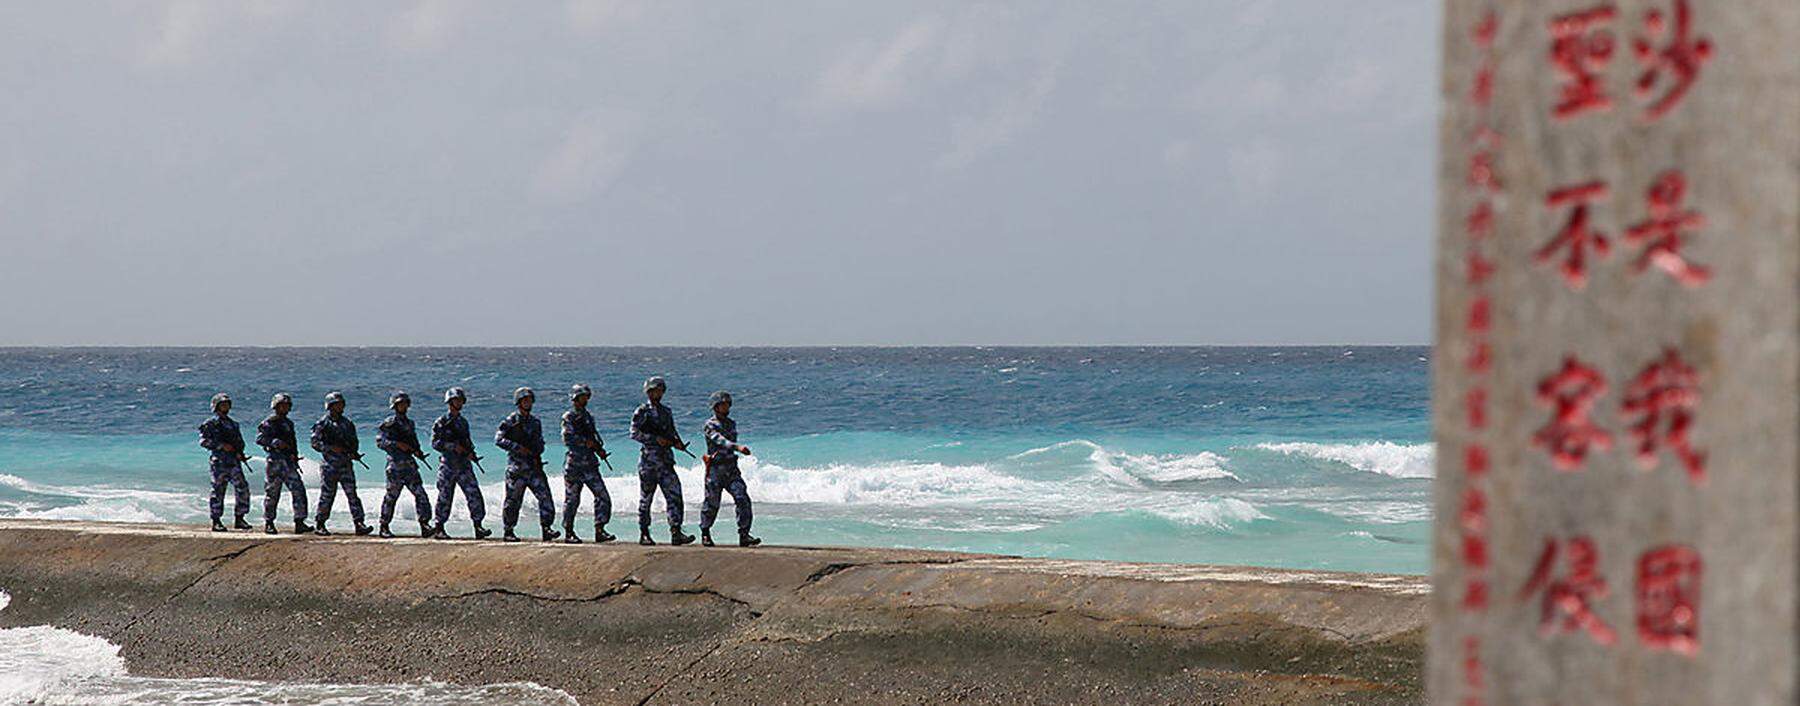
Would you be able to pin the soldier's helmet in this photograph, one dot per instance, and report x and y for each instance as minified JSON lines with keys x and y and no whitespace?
{"x":579,"y":390}
{"x":398,"y":398}
{"x":717,"y":398}
{"x":523,"y":393}
{"x":655,"y":383}
{"x":334,"y":397}
{"x":455,"y":393}
{"x":220,"y":399}
{"x":279,"y":398}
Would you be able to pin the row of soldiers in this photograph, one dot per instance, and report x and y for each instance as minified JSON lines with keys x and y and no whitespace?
{"x":520,"y":435}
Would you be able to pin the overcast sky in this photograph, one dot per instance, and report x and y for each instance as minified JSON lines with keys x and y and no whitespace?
{"x":716,"y":173}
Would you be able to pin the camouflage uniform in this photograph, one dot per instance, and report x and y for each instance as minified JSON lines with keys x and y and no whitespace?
{"x":523,"y":438}
{"x":402,"y":467}
{"x":336,"y":471}
{"x":227,"y":469}
{"x":276,"y":435}
{"x":722,"y":474}
{"x":581,"y":469}
{"x":656,"y":463}
{"x":456,"y":467}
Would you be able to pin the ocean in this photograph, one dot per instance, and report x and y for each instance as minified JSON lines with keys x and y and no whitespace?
{"x":1293,"y":457}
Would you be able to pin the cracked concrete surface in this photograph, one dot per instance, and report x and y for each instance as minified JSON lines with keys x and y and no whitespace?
{"x":634,"y":625}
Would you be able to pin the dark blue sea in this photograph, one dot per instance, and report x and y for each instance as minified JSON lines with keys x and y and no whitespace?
{"x":1312,"y":458}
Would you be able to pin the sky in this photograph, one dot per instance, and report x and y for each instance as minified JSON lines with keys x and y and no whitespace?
{"x":599,"y":172}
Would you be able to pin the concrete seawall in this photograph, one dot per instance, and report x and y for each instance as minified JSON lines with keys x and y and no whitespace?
{"x":630,"y":625}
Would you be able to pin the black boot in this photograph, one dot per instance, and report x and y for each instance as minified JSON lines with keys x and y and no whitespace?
{"x":483,"y":532}
{"x":385,"y":533}
{"x":601,"y":536}
{"x":644,"y":537}
{"x":321,"y":531}
{"x":241,"y":523}
{"x":439,"y":533}
{"x":218,"y":526}
{"x":508,"y":536}
{"x":569,"y":535}
{"x":300,"y":527}
{"x":745,"y":540}
{"x":705,"y":537}
{"x":424,"y":529}
{"x":550,"y":534}
{"x":677,"y":538}
{"x":269,"y":527}
{"x":364,"y":530}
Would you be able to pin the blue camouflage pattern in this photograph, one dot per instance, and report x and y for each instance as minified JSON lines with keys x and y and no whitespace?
{"x":656,"y":463}
{"x":336,"y":473}
{"x":220,"y":435}
{"x":402,"y":466}
{"x":522,"y":436}
{"x":276,"y":436}
{"x":456,"y":467}
{"x":581,"y":468}
{"x":723,"y":475}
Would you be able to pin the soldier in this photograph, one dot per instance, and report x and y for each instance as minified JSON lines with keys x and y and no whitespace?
{"x":523,"y":438}
{"x":654,"y":426}
{"x":456,"y":459}
{"x":397,"y":437}
{"x":722,"y":474}
{"x":335,"y":437}
{"x":581,"y":467}
{"x":220,"y":435}
{"x":276,"y":435}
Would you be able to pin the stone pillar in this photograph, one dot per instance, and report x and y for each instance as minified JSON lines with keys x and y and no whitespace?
{"x":1618,"y":348}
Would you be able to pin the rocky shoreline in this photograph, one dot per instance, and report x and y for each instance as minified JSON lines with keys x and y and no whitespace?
{"x":623,"y":624}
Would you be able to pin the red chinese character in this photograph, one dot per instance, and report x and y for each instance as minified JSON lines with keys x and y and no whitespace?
{"x":1568,"y":602}
{"x":1668,"y":599}
{"x":1480,"y":223}
{"x":1576,"y":236}
{"x":1682,"y":58}
{"x":1661,"y":234}
{"x":1481,"y":358}
{"x":1486,"y":29}
{"x":1475,"y":405}
{"x":1472,"y":665}
{"x":1580,"y":50}
{"x":1475,"y":460}
{"x":1481,"y":171}
{"x":1571,"y":433}
{"x":1480,"y":268}
{"x":1664,"y":396}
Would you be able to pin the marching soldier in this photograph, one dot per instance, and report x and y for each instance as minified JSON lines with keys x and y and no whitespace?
{"x":276,"y":436}
{"x":334,"y":436}
{"x":581,"y":467}
{"x":654,"y":426}
{"x":523,"y":438}
{"x":456,"y":465}
{"x":400,"y":440}
{"x":722,"y":474}
{"x":220,"y":435}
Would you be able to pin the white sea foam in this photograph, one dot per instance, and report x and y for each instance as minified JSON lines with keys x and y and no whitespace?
{"x":1218,"y":513}
{"x":895,"y":484}
{"x":1133,"y":469}
{"x":1383,"y":457}
{"x":39,"y":662}
{"x":47,"y":665}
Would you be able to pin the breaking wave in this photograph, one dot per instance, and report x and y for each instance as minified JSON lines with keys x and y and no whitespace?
{"x":1383,"y":457}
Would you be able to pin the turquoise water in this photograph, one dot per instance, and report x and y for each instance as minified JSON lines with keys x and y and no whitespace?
{"x":1282,"y":457}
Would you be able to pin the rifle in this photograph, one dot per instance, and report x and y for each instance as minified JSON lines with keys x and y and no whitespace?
{"x":600,"y":451}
